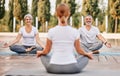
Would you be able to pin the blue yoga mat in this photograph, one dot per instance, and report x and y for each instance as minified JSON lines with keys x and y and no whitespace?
{"x":109,"y":53}
{"x":7,"y":53}
{"x":101,"y":53}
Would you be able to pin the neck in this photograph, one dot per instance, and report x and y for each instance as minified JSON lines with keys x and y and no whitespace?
{"x":28,"y":25}
{"x":88,"y":27}
{"x":62,"y":24}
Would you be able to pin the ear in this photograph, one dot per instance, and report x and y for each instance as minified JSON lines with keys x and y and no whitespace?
{"x":56,"y":14}
{"x":68,"y":13}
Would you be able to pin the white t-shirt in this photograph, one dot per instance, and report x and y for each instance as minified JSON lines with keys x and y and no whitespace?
{"x":88,"y":36}
{"x":63,"y":38}
{"x":28,"y":38}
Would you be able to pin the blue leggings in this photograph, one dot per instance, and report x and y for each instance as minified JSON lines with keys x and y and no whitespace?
{"x":72,"y":68}
{"x":20,"y":49}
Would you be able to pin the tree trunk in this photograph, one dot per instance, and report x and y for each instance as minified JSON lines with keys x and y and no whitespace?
{"x":43,"y":27}
{"x":115,"y":25}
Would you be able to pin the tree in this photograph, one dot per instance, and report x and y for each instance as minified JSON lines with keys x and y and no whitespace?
{"x":90,"y":7}
{"x":72,"y":6}
{"x":2,"y":8}
{"x":24,"y":8}
{"x":16,"y":9}
{"x":10,"y":20}
{"x":43,"y":12}
{"x":114,"y":14}
{"x":4,"y":22}
{"x":76,"y":19}
{"x":35,"y":11}
{"x":58,"y":2}
{"x":47,"y":11}
{"x":52,"y":22}
{"x":101,"y":16}
{"x":19,"y":9}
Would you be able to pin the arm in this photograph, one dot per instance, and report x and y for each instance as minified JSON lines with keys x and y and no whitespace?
{"x":81,"y":51}
{"x":38,"y":40}
{"x":46,"y":50}
{"x":107,"y":44}
{"x":14,"y":41}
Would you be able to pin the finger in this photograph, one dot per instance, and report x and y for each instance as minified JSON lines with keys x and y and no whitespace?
{"x":37,"y":55}
{"x":91,"y":56}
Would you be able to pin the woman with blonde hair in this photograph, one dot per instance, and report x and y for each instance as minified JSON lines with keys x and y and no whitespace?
{"x":61,"y":41}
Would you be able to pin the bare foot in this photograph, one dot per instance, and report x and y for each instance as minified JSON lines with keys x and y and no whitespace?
{"x":30,"y":49}
{"x":96,"y":52}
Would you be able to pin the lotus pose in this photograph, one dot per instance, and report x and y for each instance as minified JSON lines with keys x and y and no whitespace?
{"x":29,"y":35}
{"x":90,"y":37}
{"x":58,"y":55}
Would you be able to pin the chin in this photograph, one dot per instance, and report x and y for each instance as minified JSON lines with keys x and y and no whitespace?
{"x":89,"y":24}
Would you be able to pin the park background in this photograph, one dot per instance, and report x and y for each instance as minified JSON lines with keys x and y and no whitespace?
{"x":106,"y":14}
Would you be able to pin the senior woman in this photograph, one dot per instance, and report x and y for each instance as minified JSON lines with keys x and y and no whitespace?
{"x":29,"y":35}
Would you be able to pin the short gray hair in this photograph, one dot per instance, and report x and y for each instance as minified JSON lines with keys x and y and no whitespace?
{"x":28,"y":15}
{"x":89,"y":16}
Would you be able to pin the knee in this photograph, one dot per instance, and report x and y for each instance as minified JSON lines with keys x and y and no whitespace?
{"x":39,"y":48}
{"x":86,"y":60}
{"x":83,"y":59}
{"x":12,"y":47}
{"x":15,"y":48}
{"x":100,"y":44}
